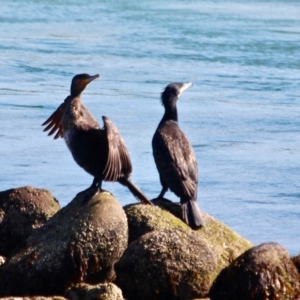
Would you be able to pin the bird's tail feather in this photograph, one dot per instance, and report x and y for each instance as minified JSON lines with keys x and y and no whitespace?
{"x":134,"y":190}
{"x":191,"y":214}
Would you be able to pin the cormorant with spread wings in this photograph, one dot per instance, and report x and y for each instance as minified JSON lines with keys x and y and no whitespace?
{"x":99,"y":151}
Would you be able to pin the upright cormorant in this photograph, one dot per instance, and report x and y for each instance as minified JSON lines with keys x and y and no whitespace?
{"x":99,"y":151}
{"x":175,"y":159}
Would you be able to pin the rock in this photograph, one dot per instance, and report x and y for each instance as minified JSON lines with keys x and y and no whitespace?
{"x":223,"y":244}
{"x":101,"y":291}
{"x":167,"y":264}
{"x":21,"y":211}
{"x":226,"y":243}
{"x":262,"y":272}
{"x":81,"y":243}
{"x":146,"y":218}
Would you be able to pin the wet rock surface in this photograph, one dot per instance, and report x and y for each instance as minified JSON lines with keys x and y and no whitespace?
{"x":262,"y":272}
{"x":167,"y":264}
{"x":81,"y":243}
{"x":102,"y":291}
{"x":21,"y":211}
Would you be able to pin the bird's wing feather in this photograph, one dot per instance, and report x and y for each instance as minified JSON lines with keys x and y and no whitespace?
{"x":54,"y":122}
{"x":118,"y":161}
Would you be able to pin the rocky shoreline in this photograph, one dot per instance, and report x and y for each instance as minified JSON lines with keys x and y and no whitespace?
{"x":94,"y":248}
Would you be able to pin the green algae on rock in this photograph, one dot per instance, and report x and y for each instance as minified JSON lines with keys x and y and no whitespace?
{"x":81,"y":243}
{"x":226,"y":243}
{"x":145,"y":218}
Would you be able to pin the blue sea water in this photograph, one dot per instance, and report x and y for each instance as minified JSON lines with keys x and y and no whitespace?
{"x":242,"y":114}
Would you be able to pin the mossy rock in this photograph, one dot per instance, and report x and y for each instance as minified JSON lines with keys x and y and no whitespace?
{"x":146,"y":218}
{"x":165,"y":217}
{"x":81,"y":243}
{"x":226,"y":243}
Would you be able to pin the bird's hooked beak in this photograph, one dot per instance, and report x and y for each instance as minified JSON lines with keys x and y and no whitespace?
{"x":91,"y":78}
{"x":184,"y":86}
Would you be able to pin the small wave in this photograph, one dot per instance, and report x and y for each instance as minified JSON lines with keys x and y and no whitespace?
{"x":288,"y":195}
{"x":21,"y":105}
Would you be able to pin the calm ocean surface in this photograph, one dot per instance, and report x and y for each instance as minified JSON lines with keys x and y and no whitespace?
{"x":242,"y":115}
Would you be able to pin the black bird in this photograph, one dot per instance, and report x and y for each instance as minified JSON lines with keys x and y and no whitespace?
{"x":99,"y":151}
{"x":175,"y":159}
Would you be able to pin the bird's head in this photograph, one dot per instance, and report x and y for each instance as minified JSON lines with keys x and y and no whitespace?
{"x":172,"y":92}
{"x":80,"y":81}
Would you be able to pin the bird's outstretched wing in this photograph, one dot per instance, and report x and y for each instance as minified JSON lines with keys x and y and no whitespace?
{"x":118,"y":161}
{"x":54,"y":122}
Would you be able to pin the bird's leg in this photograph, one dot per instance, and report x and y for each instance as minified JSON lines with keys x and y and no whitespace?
{"x":95,"y":183}
{"x":90,"y":195}
{"x":99,"y":185}
{"x":160,"y":197}
{"x":94,"y":189}
{"x":162,"y":193}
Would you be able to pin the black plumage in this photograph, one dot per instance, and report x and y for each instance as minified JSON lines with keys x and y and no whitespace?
{"x":99,"y":151}
{"x":175,"y":159}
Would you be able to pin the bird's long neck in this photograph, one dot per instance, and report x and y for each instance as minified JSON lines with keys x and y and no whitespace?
{"x":73,"y":110}
{"x":170,"y":114}
{"x":74,"y":102}
{"x":77,"y":115}
{"x":76,"y":90}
